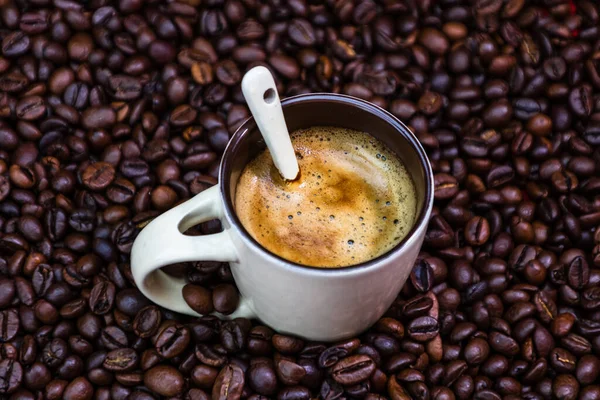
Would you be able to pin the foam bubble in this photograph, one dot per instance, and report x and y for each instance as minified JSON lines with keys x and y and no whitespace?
{"x":343,"y":174}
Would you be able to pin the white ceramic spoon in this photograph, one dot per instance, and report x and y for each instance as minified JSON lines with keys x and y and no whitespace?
{"x":261,"y":95}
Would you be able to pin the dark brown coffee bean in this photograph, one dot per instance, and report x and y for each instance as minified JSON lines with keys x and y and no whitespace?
{"x":76,"y":94}
{"x":301,"y":32}
{"x":79,"y":388}
{"x":497,"y":114}
{"x":353,"y":369}
{"x":555,"y":68}
{"x":229,"y":383}
{"x":423,"y":328}
{"x":228,"y":73}
{"x":225,"y":298}
{"x":15,"y":44}
{"x":287,"y":344}
{"x":284,"y":65}
{"x":98,"y":117}
{"x":9,"y":324}
{"x":578,"y":273}
{"x":171,"y":339}
{"x":565,"y":387}
{"x":545,"y":307}
{"x":204,"y":376}
{"x":503,"y":344}
{"x":434,"y":40}
{"x":564,"y":181}
{"x":500,"y":176}
{"x":591,"y":392}
{"x":477,"y":231}
{"x":364,"y":12}
{"x":417,"y":307}
{"x":250,"y":30}
{"x":198,"y":298}
{"x":539,"y":125}
{"x":121,"y":360}
{"x":43,"y":278}
{"x":124,"y":87}
{"x":289,"y":372}
{"x":212,"y":356}
{"x":262,"y":378}
{"x":422,"y":276}
{"x":11,"y":376}
{"x":580,"y":100}
{"x":147,"y":321}
{"x":430,"y":103}
{"x":183,"y":115}
{"x":576,"y":343}
{"x":332,"y":355}
{"x":446,"y":186}
{"x":590,"y":298}
{"x":164,"y":380}
{"x":379,"y":82}
{"x":30,"y":108}
{"x":102,"y":297}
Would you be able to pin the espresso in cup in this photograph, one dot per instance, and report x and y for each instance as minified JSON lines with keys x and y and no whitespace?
{"x":353,"y":201}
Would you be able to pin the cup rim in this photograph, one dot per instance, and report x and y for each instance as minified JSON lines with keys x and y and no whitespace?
{"x":249,"y":125}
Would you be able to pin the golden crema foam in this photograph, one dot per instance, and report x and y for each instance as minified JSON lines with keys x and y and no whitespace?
{"x":353,"y":201}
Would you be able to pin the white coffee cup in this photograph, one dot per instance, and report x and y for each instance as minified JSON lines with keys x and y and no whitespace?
{"x":313,"y":303}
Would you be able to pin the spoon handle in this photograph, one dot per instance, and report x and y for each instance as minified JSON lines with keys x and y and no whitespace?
{"x":261,"y":95}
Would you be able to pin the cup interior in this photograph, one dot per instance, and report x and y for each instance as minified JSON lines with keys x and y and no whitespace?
{"x":324,"y":109}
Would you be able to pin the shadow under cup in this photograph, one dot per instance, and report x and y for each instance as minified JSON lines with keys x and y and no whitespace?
{"x":322,"y":109}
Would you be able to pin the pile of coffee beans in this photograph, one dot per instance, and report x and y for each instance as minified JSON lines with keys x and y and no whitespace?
{"x":112,"y":112}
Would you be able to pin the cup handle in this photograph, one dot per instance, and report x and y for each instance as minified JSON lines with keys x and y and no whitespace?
{"x":162,"y":243}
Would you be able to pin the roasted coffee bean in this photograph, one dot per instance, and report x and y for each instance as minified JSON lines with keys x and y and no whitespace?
{"x":30,"y":108}
{"x":578,"y":273}
{"x":580,"y":100}
{"x":102,"y":297}
{"x":79,"y":388}
{"x":204,"y":376}
{"x":198,"y":298}
{"x":120,"y":360}
{"x":9,"y":324}
{"x":164,"y":380}
{"x":147,"y":321}
{"x":98,"y":117}
{"x":477,"y":231}
{"x":225,"y":298}
{"x":76,"y":94}
{"x":229,"y":383}
{"x":98,"y":176}
{"x":289,"y":372}
{"x":287,"y":344}
{"x":446,"y":186}
{"x":202,"y":72}
{"x":301,"y":32}
{"x":423,"y":328}
{"x":565,"y":387}
{"x":11,"y":376}
{"x":212,"y":356}
{"x":503,"y":344}
{"x":171,"y":339}
{"x":15,"y":44}
{"x":422,"y":276}
{"x":417,"y":306}
{"x":262,"y":378}
{"x":42,"y":280}
{"x":352,"y":370}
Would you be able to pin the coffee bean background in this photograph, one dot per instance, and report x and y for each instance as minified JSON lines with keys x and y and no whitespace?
{"x":112,"y":112}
